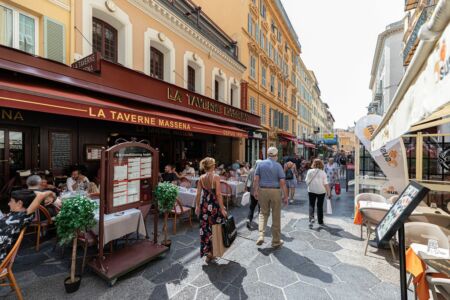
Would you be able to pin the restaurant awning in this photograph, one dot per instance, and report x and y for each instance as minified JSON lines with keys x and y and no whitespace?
{"x":307,"y":145}
{"x":440,"y":117}
{"x":424,"y":88}
{"x":288,"y":137}
{"x":48,"y":99}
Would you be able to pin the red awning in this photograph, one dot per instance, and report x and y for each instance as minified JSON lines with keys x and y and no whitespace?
{"x":288,"y":137}
{"x":307,"y":145}
{"x":55,"y":101}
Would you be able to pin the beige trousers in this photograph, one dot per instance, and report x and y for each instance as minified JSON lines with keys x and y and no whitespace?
{"x":270,"y":200}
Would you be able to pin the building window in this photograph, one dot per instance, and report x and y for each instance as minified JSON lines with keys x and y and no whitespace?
{"x":156,"y":63}
{"x":104,"y":39}
{"x":252,"y":105}
{"x":263,"y":114}
{"x":191,"y":78}
{"x":293,"y":127}
{"x":270,"y":50}
{"x":252,"y":67}
{"x":272,"y":83}
{"x":279,"y":89}
{"x":250,"y":25}
{"x":285,"y":94}
{"x":263,"y":76}
{"x":234,"y":93}
{"x":286,"y":123}
{"x":262,"y":9}
{"x":18,"y":30}
{"x":216,"y":89}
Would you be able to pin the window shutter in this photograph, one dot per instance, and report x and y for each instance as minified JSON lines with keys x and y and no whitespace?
{"x":54,"y":40}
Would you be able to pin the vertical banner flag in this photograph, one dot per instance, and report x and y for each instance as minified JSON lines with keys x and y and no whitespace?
{"x":391,"y":158}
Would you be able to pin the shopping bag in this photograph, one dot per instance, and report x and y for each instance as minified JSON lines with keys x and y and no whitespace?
{"x":217,"y":241}
{"x":329,"y":208}
{"x":337,"y":188}
{"x":245,"y":199}
{"x":229,"y":231}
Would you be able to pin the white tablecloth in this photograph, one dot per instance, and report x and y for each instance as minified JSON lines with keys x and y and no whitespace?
{"x":187,"y":196}
{"x":442,"y":253}
{"x":118,"y":225}
{"x":371,"y":204}
{"x":236,"y":187}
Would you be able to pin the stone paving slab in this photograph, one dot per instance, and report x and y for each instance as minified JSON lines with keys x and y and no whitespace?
{"x":315,"y":263}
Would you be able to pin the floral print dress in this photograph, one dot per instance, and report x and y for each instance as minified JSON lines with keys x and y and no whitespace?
{"x":209,"y":216}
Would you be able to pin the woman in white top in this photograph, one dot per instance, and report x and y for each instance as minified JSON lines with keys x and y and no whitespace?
{"x":316,"y":180}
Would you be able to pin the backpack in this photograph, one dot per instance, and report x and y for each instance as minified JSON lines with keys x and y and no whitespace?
{"x":342,"y":160}
{"x":289,"y":174}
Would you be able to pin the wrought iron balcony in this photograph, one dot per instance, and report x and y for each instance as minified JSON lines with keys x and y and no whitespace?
{"x":413,"y":40}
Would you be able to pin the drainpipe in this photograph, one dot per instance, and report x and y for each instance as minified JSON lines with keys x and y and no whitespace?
{"x":428,"y":34}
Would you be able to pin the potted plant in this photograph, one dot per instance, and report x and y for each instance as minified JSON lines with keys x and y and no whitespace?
{"x":76,"y":215}
{"x":166,"y":194}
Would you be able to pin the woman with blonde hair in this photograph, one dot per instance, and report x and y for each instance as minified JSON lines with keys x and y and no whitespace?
{"x":316,"y":180}
{"x":210,"y":209}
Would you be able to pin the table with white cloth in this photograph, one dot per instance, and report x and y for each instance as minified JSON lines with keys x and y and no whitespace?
{"x":376,"y":205}
{"x":237,"y":187}
{"x":117,"y":225}
{"x":194,"y":180}
{"x":187,"y":196}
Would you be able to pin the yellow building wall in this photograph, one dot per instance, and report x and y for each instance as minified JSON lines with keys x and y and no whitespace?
{"x":46,"y":8}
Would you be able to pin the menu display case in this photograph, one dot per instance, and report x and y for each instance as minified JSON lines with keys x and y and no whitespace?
{"x":132,"y":176}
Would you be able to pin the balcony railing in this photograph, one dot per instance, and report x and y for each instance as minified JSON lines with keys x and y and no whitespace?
{"x":411,"y":44}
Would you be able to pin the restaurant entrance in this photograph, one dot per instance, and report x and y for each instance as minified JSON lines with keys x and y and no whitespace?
{"x":15,"y":152}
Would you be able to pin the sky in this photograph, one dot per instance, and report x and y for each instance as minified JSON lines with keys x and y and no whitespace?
{"x":338,"y":40}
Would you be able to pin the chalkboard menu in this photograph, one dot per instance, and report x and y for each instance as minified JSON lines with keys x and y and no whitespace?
{"x":60,"y":150}
{"x":400,"y":211}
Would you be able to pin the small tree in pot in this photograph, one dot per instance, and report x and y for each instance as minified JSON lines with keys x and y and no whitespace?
{"x":76,"y":215}
{"x":166,"y":194}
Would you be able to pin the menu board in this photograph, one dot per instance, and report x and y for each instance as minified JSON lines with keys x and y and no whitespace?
{"x":400,"y":211}
{"x":60,"y":150}
{"x":130,"y":167}
{"x":93,"y":152}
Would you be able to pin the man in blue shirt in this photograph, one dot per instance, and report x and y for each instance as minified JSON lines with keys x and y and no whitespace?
{"x":268,"y":183}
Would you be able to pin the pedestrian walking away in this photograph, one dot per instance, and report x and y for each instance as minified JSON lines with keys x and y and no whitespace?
{"x":253,"y":201}
{"x":270,"y":188}
{"x":317,"y":182}
{"x":290,"y":171}
{"x":332,"y":171}
{"x":210,"y":209}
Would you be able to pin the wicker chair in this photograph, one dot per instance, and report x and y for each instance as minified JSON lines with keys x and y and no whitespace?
{"x":179,"y":210}
{"x":186,"y":183}
{"x":42,"y":221}
{"x":227,"y":192}
{"x":6,"y":267}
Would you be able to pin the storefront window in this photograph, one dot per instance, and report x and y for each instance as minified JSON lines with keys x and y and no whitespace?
{"x":367,"y":165}
{"x":435,"y":153}
{"x":104,"y":39}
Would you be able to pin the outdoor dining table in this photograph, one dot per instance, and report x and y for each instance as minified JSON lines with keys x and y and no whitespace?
{"x":120,"y":224}
{"x":187,"y":196}
{"x":358,"y":219}
{"x":237,"y":187}
{"x":416,"y":266}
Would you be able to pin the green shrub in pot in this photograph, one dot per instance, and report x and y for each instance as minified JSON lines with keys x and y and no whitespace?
{"x":166,"y":194}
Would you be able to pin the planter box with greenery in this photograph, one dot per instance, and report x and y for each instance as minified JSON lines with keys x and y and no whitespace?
{"x":76,"y":215}
{"x":166,"y":193}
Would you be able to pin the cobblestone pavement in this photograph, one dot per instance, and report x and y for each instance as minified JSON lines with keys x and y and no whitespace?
{"x":315,"y":263}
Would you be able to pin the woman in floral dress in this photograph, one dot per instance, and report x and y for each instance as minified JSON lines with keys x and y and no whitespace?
{"x":210,"y":209}
{"x":332,"y":171}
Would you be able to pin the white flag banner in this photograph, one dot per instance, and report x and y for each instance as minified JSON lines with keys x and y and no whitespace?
{"x":391,"y":158}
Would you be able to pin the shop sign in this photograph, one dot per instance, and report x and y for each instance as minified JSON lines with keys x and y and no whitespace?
{"x":205,"y":104}
{"x":11,"y":115}
{"x":329,"y":139}
{"x":90,"y":63}
{"x":257,"y":135}
{"x":426,"y":95}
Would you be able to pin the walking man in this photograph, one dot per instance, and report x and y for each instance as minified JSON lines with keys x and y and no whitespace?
{"x":250,"y":188}
{"x":269,"y":183}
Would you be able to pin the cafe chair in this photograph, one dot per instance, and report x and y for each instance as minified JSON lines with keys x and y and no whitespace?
{"x":6,"y":267}
{"x":41,"y":222}
{"x":368,"y":197}
{"x":392,"y":199}
{"x":178,"y":211}
{"x":441,"y":285}
{"x":86,"y":239}
{"x":371,"y":218}
{"x":442,"y":220}
{"x":227,"y":192}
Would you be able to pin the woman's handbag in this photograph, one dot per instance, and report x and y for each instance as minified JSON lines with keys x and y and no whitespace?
{"x":229,"y":231}
{"x":329,"y":208}
{"x":245,"y":199}
{"x":217,"y":241}
{"x":337,"y":188}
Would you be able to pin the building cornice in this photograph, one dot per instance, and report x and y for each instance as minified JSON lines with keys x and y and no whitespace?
{"x":160,"y":13}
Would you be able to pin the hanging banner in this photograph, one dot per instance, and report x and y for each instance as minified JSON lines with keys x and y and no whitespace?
{"x":391,"y":158}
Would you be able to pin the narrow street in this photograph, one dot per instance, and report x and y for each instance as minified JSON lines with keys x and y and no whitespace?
{"x":314,"y":263}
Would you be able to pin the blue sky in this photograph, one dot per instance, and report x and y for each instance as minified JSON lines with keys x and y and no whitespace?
{"x":338,"y":41}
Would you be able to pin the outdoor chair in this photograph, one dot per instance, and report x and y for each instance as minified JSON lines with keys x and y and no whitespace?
{"x":227,"y":192}
{"x":368,"y":197}
{"x":372,"y":217}
{"x":86,"y":239}
{"x":420,"y":233}
{"x":178,"y":211}
{"x":6,"y":267}
{"x":441,"y":285}
{"x":440,"y":220}
{"x":40,"y":223}
{"x":186,"y":183}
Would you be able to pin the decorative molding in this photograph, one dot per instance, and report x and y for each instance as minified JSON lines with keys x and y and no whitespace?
{"x":61,"y":4}
{"x":254,"y":10}
{"x":153,"y":38}
{"x":160,"y":13}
